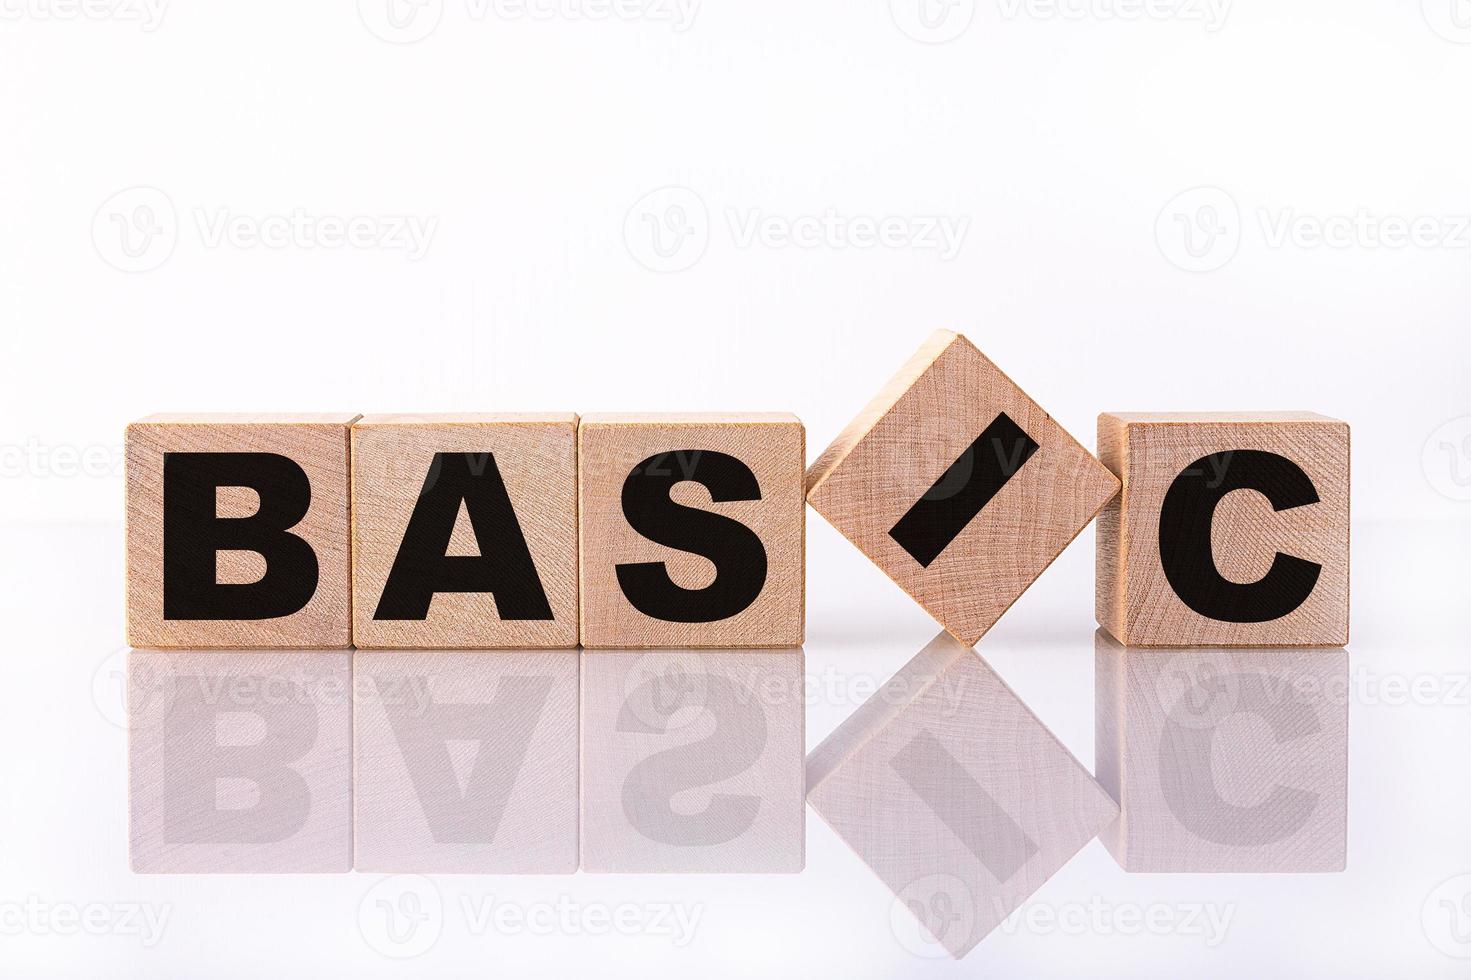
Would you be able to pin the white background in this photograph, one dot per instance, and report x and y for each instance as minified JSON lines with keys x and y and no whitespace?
{"x":1179,"y":205}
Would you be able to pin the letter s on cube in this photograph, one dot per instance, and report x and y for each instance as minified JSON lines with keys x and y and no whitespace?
{"x":691,"y":530}
{"x":238,"y":531}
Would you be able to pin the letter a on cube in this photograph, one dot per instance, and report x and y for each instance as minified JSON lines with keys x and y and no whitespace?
{"x":952,"y":791}
{"x":238,"y":531}
{"x":959,"y":486}
{"x":1186,"y":560}
{"x":464,"y":531}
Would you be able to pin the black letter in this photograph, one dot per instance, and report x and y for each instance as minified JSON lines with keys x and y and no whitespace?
{"x":977,"y":475}
{"x":1185,"y":537}
{"x":503,"y":568}
{"x":739,"y":556}
{"x":193,"y":536}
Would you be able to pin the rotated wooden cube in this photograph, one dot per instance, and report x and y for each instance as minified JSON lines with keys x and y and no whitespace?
{"x":464,"y":531}
{"x":239,"y":762}
{"x":952,"y":791}
{"x":1185,"y":558}
{"x":692,"y":761}
{"x":692,"y":530}
{"x":1224,"y":760}
{"x":959,"y":486}
{"x":466,"y":761}
{"x":238,"y":531}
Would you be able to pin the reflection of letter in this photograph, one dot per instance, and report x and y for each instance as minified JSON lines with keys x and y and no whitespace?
{"x":200,"y":758}
{"x":1224,"y":759}
{"x":1188,"y":783}
{"x":735,"y":742}
{"x":239,"y":762}
{"x":692,"y":761}
{"x":964,"y":806}
{"x":499,"y":733}
{"x":466,"y":761}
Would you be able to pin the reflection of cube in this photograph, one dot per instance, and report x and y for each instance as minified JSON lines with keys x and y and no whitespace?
{"x":466,"y":761}
{"x":692,"y":530}
{"x":464,"y":531}
{"x":956,"y":484}
{"x":239,"y":762}
{"x":953,"y":792}
{"x":1224,"y":760}
{"x":692,"y":761}
{"x":237,"y":531}
{"x":1185,"y":560}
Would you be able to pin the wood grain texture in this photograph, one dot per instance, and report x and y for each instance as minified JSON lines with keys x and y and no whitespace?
{"x":1224,"y":760}
{"x":316,"y":442}
{"x":1135,"y":601}
{"x":536,"y":456}
{"x":951,"y":790}
{"x":465,"y":761}
{"x":692,"y":761}
{"x":772,"y":446}
{"x":239,"y":762}
{"x":901,"y":445}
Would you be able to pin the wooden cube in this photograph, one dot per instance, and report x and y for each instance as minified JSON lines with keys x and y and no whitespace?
{"x":238,"y":531}
{"x":466,"y":761}
{"x":239,"y":762}
{"x":956,"y":484}
{"x":464,"y":531}
{"x":1186,"y":560}
{"x":1224,"y":760}
{"x":692,"y":761}
{"x":952,"y":791}
{"x":692,"y":530}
